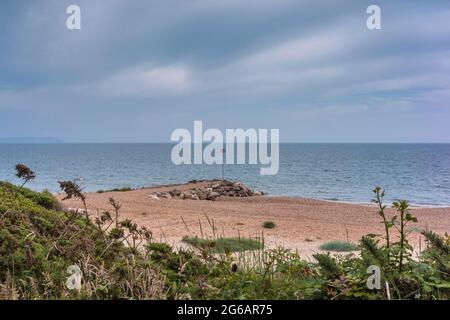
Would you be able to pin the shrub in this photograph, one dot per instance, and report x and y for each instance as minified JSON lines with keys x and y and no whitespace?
{"x":125,"y":189}
{"x":37,"y":245}
{"x":44,"y":199}
{"x":268,"y":225}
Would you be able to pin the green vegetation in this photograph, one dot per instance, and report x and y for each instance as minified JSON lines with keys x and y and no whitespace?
{"x":224,"y":244}
{"x":338,"y":246}
{"x":37,"y":245}
{"x":125,"y":189}
{"x":120,"y":260}
{"x":268,"y":225}
{"x":44,"y":199}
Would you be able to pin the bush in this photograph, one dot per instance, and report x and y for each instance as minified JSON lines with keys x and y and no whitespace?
{"x":125,"y":189}
{"x":44,"y":199}
{"x":37,"y":245}
{"x":268,"y":225}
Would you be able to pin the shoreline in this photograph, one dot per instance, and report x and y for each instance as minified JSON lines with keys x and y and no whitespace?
{"x":369,"y":204}
{"x":301,"y":224}
{"x":388,"y":203}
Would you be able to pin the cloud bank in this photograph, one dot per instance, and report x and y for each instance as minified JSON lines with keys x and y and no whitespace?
{"x":139,"y":69}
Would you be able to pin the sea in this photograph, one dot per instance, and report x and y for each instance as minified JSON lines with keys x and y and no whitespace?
{"x":343,"y":172}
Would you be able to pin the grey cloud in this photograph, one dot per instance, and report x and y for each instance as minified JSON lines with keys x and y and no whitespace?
{"x":156,"y":65}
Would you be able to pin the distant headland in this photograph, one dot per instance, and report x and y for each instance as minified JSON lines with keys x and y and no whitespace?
{"x":30,"y":140}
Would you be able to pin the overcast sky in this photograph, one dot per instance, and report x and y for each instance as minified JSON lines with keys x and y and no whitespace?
{"x":140,"y":69}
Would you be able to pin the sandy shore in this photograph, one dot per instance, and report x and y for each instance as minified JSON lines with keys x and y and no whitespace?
{"x":302,"y":224}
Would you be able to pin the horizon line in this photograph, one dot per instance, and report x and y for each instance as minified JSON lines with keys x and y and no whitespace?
{"x":173,"y":142}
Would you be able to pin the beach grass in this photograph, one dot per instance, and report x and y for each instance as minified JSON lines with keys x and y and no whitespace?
{"x":125,"y":189}
{"x":339,"y":246}
{"x":218,"y":245}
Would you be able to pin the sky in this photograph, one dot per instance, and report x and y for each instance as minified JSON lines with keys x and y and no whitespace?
{"x":139,"y":69}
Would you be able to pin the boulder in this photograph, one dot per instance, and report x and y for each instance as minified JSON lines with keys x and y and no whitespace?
{"x":194,"y":196}
{"x":154,"y":197}
{"x":213,"y":196}
{"x":166,"y":195}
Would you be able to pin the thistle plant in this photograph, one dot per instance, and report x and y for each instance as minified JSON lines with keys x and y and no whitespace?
{"x":116,"y":205}
{"x":378,"y":199}
{"x":24,"y":173}
{"x":73,"y":190}
{"x":402,"y":207}
{"x":123,"y":230}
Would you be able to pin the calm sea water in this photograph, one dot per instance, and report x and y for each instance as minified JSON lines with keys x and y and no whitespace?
{"x":341,"y":172}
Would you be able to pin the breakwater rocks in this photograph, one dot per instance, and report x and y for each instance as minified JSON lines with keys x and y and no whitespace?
{"x":209,"y":190}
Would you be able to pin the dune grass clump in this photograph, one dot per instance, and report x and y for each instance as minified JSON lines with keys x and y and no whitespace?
{"x":125,"y":189}
{"x":268,"y":225}
{"x":232,"y":244}
{"x":339,"y":246}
